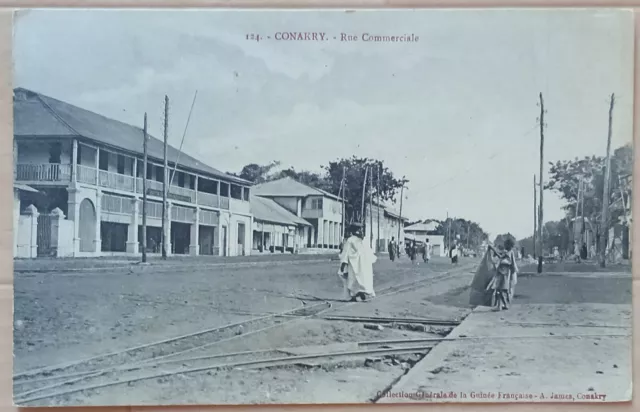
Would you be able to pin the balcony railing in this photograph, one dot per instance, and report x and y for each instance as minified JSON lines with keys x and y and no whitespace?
{"x":53,"y":172}
{"x":116,"y":181}
{"x":175,"y":192}
{"x":87,"y":174}
{"x":46,"y":172}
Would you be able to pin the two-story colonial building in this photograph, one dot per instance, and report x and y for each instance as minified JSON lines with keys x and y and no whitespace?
{"x":88,"y":169}
{"x":387,"y":224}
{"x":321,"y":209}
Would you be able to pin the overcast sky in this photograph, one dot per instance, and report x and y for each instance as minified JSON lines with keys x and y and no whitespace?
{"x":456,"y":112}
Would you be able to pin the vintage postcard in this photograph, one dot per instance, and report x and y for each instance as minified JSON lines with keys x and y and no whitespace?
{"x":322,"y":206}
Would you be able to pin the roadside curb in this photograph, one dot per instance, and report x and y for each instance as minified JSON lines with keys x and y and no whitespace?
{"x":138,"y":267}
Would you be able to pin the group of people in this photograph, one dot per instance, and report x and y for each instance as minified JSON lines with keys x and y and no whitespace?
{"x":411,"y":249}
{"x":496,"y":277}
{"x":493,"y":285}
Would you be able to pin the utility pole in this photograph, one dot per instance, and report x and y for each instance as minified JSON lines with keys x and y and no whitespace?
{"x":540,"y":218}
{"x":371,"y":208}
{"x":468,"y":233}
{"x":400,"y":224}
{"x":605,"y":195}
{"x":144,"y":192}
{"x":448,"y":232}
{"x":582,"y":228}
{"x":378,"y":193}
{"x":363,"y":218}
{"x":535,"y":218}
{"x":344,"y":188}
{"x":164,"y":180}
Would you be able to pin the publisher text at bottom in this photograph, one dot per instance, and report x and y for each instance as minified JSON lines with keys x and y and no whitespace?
{"x":449,"y":396}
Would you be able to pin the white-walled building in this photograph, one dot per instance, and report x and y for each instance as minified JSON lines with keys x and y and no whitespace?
{"x":422,"y":231}
{"x":391,"y":226}
{"x":275,"y":229}
{"x":321,"y":209}
{"x":89,"y":170}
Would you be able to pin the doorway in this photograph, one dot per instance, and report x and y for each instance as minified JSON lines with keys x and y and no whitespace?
{"x":224,"y":241}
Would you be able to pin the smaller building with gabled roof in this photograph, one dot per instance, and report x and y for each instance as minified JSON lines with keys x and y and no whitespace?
{"x":322,"y":210}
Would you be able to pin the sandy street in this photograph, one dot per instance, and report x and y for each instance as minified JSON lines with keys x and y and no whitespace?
{"x":64,"y":317}
{"x":67,"y":317}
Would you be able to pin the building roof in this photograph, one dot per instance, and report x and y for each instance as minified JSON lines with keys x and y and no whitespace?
{"x":288,"y":186}
{"x":269,"y":211}
{"x":37,"y":115}
{"x":422,"y":227}
{"x":25,"y":188}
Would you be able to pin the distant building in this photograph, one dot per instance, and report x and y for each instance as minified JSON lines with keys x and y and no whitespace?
{"x":276,"y":229}
{"x":90,"y":170}
{"x":391,"y":225}
{"x":319,"y":208}
{"x":420,"y":232}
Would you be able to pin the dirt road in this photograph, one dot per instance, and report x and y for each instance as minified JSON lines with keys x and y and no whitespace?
{"x":65,"y":317}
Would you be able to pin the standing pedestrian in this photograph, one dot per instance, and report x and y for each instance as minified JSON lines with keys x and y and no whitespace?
{"x":506,"y":274}
{"x":453,"y":254}
{"x":356,"y":266}
{"x":392,"y":248}
{"x":413,"y":250}
{"x":426,"y":252}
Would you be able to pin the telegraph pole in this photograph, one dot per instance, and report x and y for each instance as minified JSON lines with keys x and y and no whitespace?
{"x":344,"y":188}
{"x":378,"y":193}
{"x":400,"y":224}
{"x":535,"y":218}
{"x":605,"y":195}
{"x":448,"y":233}
{"x":144,"y":192}
{"x":164,"y":180}
{"x":364,"y":188}
{"x":582,"y":228}
{"x":540,"y":218}
{"x":371,"y":208}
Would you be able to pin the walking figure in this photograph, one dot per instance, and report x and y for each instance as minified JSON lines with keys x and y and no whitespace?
{"x":426,"y":252}
{"x":356,"y":266}
{"x":392,"y":249}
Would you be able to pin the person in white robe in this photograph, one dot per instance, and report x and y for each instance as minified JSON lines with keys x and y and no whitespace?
{"x":356,"y":267}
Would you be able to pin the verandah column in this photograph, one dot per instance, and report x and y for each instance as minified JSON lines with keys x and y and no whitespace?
{"x":97,"y":240}
{"x":194,"y":247}
{"x":133,"y":244}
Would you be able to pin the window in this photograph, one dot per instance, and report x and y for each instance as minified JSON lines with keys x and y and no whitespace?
{"x":159,"y":174}
{"x":79,"y":157}
{"x":181,"y":177}
{"x":224,"y":189}
{"x":316,"y":204}
{"x":55,"y":153}
{"x":120,"y":160}
{"x":103,"y":161}
{"x":246,"y":194}
{"x":236,"y":192}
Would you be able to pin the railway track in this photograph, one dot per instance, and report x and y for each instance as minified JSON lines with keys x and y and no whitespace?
{"x":129,"y":364}
{"x":245,"y":360}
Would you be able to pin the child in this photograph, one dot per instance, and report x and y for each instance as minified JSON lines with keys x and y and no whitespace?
{"x":505,"y":277}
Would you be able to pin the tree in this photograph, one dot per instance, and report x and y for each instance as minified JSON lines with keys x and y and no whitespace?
{"x":308,"y":178}
{"x":257,"y":173}
{"x":500,"y":239}
{"x":554,"y":234}
{"x":565,"y":177}
{"x":330,"y":180}
{"x":471,"y":233}
{"x":354,"y":170}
